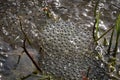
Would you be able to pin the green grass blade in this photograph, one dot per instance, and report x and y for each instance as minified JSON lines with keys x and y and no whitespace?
{"x":97,"y":24}
{"x":118,"y":25}
{"x":116,"y":46}
{"x":118,"y":34}
{"x":95,"y":15}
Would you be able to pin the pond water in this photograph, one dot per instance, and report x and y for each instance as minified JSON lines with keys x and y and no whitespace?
{"x":56,"y":24}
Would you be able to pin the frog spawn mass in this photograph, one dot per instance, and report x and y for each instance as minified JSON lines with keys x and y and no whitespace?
{"x":67,"y":42}
{"x":67,"y":50}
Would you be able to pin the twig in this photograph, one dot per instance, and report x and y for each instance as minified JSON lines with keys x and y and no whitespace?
{"x":110,"y":42}
{"x":24,"y":78}
{"x":88,"y":71}
{"x":34,"y":62}
{"x":21,"y":27}
{"x":104,"y":34}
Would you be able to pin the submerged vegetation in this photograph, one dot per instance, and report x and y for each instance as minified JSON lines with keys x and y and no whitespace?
{"x":109,"y":56}
{"x":111,"y":53}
